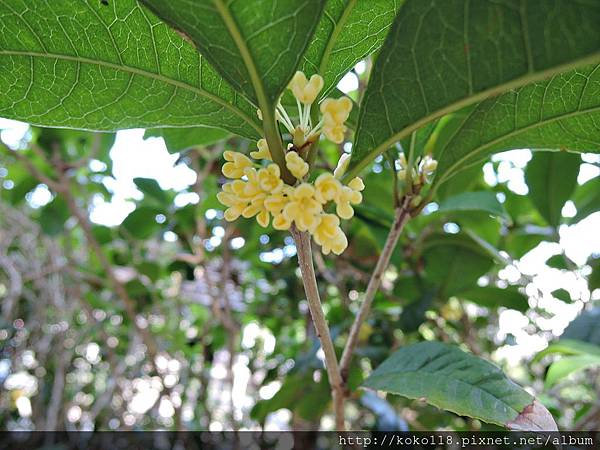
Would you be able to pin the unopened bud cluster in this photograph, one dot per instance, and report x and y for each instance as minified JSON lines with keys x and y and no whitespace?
{"x":421,"y":174}
{"x":260,"y":192}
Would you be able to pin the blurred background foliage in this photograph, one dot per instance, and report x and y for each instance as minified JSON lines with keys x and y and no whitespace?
{"x":176,"y":319}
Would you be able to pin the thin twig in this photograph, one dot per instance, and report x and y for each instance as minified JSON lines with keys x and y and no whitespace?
{"x":311,"y":289}
{"x":400,"y":219}
{"x":37,"y":173}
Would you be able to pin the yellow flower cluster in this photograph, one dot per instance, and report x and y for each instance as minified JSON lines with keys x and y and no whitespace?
{"x":262,"y":193}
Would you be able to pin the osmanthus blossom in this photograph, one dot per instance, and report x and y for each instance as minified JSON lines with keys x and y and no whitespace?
{"x":260,"y":192}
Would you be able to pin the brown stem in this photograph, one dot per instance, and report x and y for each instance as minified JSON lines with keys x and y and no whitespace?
{"x":305,"y":261}
{"x":37,"y":173}
{"x":400,"y":219}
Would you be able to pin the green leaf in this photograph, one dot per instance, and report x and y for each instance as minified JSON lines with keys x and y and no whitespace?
{"x":568,"y":365}
{"x":180,"y":139}
{"x":141,"y":222}
{"x":520,"y":241}
{"x":349,"y":31}
{"x":454,"y":263}
{"x":551,"y":178}
{"x":594,"y":278}
{"x":453,"y":380}
{"x":102,"y":234}
{"x":298,"y":393}
{"x":255,"y":45}
{"x":559,"y":261}
{"x":562,"y":294}
{"x":569,"y":347}
{"x":442,"y":55}
{"x":109,"y":67}
{"x":585,"y":327}
{"x":474,"y":201}
{"x":494,"y":297}
{"x":151,"y":189}
{"x":151,"y":269}
{"x":586,"y":199}
{"x":53,"y":216}
{"x":559,"y":113}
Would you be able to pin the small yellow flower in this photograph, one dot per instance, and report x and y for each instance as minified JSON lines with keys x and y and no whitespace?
{"x":303,"y":208}
{"x":263,"y":151}
{"x":235,"y":204}
{"x":356,"y":184}
{"x":346,"y":197}
{"x":263,"y":218}
{"x":269,"y":179}
{"x":327,"y":228}
{"x":340,"y":243}
{"x":327,"y":187}
{"x":296,"y":165}
{"x":337,"y":243}
{"x":251,"y":186}
{"x":304,"y":90}
{"x":336,"y":112}
{"x":233,"y":212}
{"x":281,"y":223}
{"x":256,"y":206}
{"x":334,"y":132}
{"x":235,"y":165}
{"x":276,"y":202}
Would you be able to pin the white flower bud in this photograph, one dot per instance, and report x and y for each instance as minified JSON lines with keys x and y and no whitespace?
{"x":342,"y":165}
{"x":429,"y":165}
{"x":402,"y":161}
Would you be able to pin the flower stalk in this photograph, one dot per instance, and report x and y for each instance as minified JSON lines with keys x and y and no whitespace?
{"x":305,"y":261}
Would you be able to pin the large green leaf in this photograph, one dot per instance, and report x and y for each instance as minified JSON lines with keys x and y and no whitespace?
{"x":83,"y":64}
{"x":442,"y":55}
{"x":559,"y":113}
{"x":255,"y":45}
{"x":552,"y":177}
{"x":349,"y":31}
{"x":453,"y":380}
